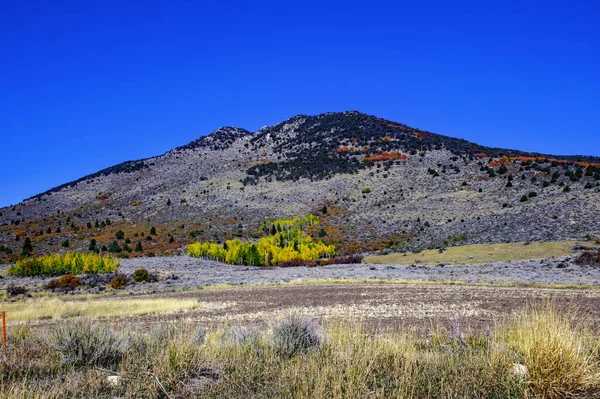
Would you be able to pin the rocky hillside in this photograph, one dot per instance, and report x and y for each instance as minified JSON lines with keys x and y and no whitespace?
{"x":375,"y":183}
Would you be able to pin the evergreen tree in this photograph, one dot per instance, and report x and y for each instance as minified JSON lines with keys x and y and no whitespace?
{"x":27,"y":248}
{"x":92,"y":245}
{"x":153,"y":230}
{"x":114,"y":247}
{"x":120,"y":235}
{"x":171,"y":240}
{"x":65,"y":243}
{"x":138,"y":247}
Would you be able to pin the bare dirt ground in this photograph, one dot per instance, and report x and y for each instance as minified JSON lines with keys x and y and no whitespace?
{"x":414,"y":306}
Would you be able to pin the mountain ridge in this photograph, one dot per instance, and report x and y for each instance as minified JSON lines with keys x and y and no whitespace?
{"x":380,"y":180}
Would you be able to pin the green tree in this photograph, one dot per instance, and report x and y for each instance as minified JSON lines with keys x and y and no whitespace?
{"x":65,"y":243}
{"x":92,"y":245}
{"x":114,"y":247}
{"x":138,"y":247}
{"x":153,"y":230}
{"x":27,"y":248}
{"x":120,"y":235}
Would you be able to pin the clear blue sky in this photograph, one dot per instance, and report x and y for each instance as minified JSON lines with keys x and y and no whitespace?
{"x":85,"y":85}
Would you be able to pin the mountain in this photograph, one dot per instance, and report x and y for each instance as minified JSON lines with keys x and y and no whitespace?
{"x":382,"y":184}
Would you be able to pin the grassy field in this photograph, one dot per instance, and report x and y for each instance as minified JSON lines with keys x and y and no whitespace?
{"x":538,"y":353}
{"x":478,"y":253}
{"x":56,"y":308}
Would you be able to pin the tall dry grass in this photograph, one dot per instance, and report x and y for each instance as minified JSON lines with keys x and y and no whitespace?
{"x":350,"y":361}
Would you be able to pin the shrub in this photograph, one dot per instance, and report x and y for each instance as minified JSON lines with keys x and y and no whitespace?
{"x":342,"y":260}
{"x":532,"y":194}
{"x":119,"y":235}
{"x":140,"y":275}
{"x":524,"y":198}
{"x":84,"y":344}
{"x":15,"y":290}
{"x":238,"y":336}
{"x":119,"y":281}
{"x":295,"y":335}
{"x":69,"y":281}
{"x":588,"y":258}
{"x":366,"y":190}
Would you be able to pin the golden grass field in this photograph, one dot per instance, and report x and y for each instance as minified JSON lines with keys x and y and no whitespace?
{"x":479,"y":253}
{"x":57,"y":309}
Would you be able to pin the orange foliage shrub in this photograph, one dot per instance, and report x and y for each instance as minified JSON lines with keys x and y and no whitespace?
{"x":385,"y":156}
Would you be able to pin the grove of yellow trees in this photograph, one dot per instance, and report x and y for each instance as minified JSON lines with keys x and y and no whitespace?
{"x":285,"y":241}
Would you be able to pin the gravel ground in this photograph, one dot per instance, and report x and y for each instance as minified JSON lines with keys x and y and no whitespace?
{"x":192,"y":272}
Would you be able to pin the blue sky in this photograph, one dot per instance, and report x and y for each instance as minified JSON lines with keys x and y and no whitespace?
{"x":85,"y":85}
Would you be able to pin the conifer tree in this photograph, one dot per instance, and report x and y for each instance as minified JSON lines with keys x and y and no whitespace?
{"x":27,"y":248}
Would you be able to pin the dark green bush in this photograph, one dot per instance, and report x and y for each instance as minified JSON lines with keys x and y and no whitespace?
{"x":140,"y":275}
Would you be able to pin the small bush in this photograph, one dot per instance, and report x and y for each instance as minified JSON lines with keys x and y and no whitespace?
{"x":588,"y":258}
{"x":140,"y":275}
{"x":15,"y":290}
{"x":342,"y":260}
{"x":69,"y":281}
{"x":84,"y":344}
{"x":119,"y":281}
{"x":239,"y":336}
{"x":295,"y":335}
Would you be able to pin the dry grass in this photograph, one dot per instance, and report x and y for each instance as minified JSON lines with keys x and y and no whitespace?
{"x":479,"y":253}
{"x":352,"y":362}
{"x":56,"y":309}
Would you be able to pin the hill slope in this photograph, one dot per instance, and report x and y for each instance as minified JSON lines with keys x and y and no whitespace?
{"x":384,"y":184}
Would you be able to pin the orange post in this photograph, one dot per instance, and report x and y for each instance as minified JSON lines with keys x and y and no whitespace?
{"x":4,"y":329}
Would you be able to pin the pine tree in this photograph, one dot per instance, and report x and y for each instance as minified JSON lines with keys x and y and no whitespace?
{"x":65,"y":243}
{"x":138,"y":247}
{"x":92,"y":245}
{"x":27,"y":248}
{"x":153,"y":230}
